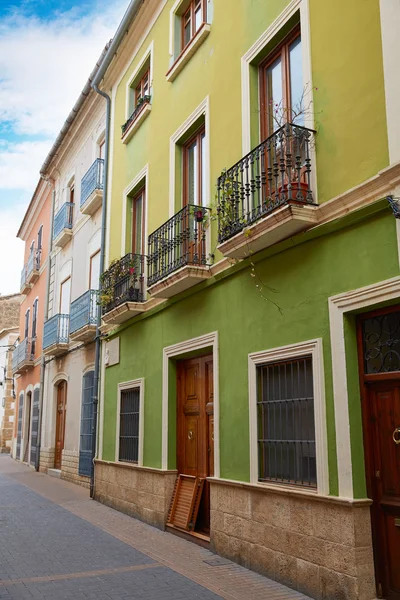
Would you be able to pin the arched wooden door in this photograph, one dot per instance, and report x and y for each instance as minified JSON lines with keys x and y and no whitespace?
{"x":60,"y":422}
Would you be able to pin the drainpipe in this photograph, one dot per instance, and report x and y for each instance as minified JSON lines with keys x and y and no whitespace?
{"x":102,"y":260}
{"x":46,"y":314}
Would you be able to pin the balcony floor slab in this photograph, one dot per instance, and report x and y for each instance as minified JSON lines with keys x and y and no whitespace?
{"x":275,"y":227}
{"x":180,"y":281}
{"x":25,"y":366}
{"x":126,"y":311}
{"x":93,"y":203}
{"x":33,"y":277}
{"x":25,"y":289}
{"x":83,"y":334}
{"x":55,"y":349}
{"x":63,"y":238}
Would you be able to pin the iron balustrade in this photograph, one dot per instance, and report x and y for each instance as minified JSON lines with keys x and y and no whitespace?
{"x":180,"y":241}
{"x":23,"y":352}
{"x":276,"y":172}
{"x":138,"y":109}
{"x":23,"y":278}
{"x":84,"y":310}
{"x":92,"y":180}
{"x":56,"y":331}
{"x":33,"y":263}
{"x":63,"y":219}
{"x":123,"y":282}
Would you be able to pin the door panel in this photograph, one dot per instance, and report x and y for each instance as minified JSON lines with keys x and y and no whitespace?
{"x":384,"y":406}
{"x":195,"y":439}
{"x":60,"y":423}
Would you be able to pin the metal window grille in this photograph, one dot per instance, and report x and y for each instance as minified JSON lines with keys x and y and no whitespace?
{"x":286,"y":429}
{"x":381,"y":343}
{"x":34,"y":426}
{"x":129,"y":425}
{"x":85,"y":447}
{"x":19,"y":427}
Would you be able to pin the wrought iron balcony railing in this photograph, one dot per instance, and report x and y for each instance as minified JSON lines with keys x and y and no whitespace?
{"x":56,"y":331}
{"x":123,"y":282}
{"x":33,"y":263}
{"x":63,"y":219}
{"x":84,"y":310}
{"x":275,"y":173}
{"x":22,"y":353}
{"x":92,"y":180}
{"x":180,"y":241}
{"x":138,"y":109}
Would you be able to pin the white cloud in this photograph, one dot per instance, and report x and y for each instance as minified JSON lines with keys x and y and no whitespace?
{"x":45,"y":64}
{"x":20,"y":165}
{"x":11,"y":250}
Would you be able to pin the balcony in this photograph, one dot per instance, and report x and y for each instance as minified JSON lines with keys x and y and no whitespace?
{"x":177,"y":257}
{"x":25,"y":286}
{"x":267,"y":196}
{"x":141,"y":111}
{"x":92,"y":188}
{"x":33,"y":266}
{"x":62,"y":231}
{"x":23,"y":356}
{"x":122,"y":292}
{"x":56,"y":335}
{"x":83,"y":317}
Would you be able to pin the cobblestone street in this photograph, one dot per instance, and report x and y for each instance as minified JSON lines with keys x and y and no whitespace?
{"x":57,"y":544}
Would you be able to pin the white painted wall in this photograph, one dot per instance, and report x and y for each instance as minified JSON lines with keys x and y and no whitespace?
{"x":390,"y":24}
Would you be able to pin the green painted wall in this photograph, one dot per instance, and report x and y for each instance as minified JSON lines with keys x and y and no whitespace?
{"x":246,"y":323}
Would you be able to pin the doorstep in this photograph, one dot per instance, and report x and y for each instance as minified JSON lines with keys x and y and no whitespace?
{"x":191,"y":536}
{"x":54,"y":473}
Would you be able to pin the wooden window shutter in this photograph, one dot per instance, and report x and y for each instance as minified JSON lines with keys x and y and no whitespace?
{"x":185,"y":502}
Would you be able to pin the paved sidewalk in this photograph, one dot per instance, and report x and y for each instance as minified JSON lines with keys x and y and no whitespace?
{"x":56,"y":543}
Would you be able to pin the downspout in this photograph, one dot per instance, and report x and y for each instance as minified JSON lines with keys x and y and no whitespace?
{"x":46,"y":315}
{"x":102,"y":261}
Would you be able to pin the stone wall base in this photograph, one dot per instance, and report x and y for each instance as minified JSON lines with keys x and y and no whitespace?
{"x":70,"y":468}
{"x":46,"y":459}
{"x":317,"y":545}
{"x":140,"y":492}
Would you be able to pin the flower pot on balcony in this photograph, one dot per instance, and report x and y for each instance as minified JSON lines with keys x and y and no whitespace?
{"x":297,"y":186}
{"x":198,"y":215}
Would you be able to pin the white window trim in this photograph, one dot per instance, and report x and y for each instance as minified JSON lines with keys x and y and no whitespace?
{"x":202,"y":109}
{"x":142,"y":175}
{"x":172,"y":16}
{"x":135,"y":383}
{"x":364,"y":297}
{"x":251,"y":55}
{"x":148,"y":53}
{"x":293,"y":351}
{"x":204,"y":341}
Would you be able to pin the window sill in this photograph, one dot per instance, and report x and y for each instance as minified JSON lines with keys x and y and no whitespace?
{"x":136,"y":124}
{"x":188,"y":52}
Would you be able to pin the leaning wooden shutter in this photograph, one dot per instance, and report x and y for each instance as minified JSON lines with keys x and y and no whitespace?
{"x":185,"y":502}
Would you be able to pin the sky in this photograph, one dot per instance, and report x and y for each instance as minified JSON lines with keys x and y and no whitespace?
{"x":48,"y":49}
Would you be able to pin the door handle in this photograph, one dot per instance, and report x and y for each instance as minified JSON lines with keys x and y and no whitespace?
{"x":396,"y":435}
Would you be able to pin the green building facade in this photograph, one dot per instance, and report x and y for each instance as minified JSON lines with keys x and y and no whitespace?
{"x":251,"y":300}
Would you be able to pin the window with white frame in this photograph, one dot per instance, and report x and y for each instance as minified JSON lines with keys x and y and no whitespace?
{"x":139,"y":91}
{"x":129,"y":424}
{"x":285,"y":422}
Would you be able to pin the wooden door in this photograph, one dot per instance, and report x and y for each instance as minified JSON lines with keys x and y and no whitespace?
{"x":379,"y":353}
{"x":195,"y":443}
{"x":384,"y":404}
{"x":60,"y":422}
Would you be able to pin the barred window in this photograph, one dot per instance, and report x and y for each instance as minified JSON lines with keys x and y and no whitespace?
{"x":129,"y":425}
{"x":285,"y":421}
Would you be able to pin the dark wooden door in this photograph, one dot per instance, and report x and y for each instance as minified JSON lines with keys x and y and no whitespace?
{"x":195,"y":432}
{"x":60,"y":422}
{"x":384,"y":450}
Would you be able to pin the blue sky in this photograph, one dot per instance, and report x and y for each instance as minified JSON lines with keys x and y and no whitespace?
{"x":47,"y":50}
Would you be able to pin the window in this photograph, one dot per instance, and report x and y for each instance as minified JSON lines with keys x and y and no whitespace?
{"x":85,"y":445}
{"x":94,"y":275}
{"x":102,"y":149}
{"x":194,"y":169}
{"x":34,"y":324}
{"x":71,"y":193}
{"x":65,"y":294}
{"x":142,"y":89}
{"x":137,"y":223}
{"x":281,"y":86}
{"x":27,"y":317}
{"x":129,"y":425}
{"x":192,"y":20}
{"x":32,"y":247}
{"x":285,"y":422}
{"x":40,"y":237}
